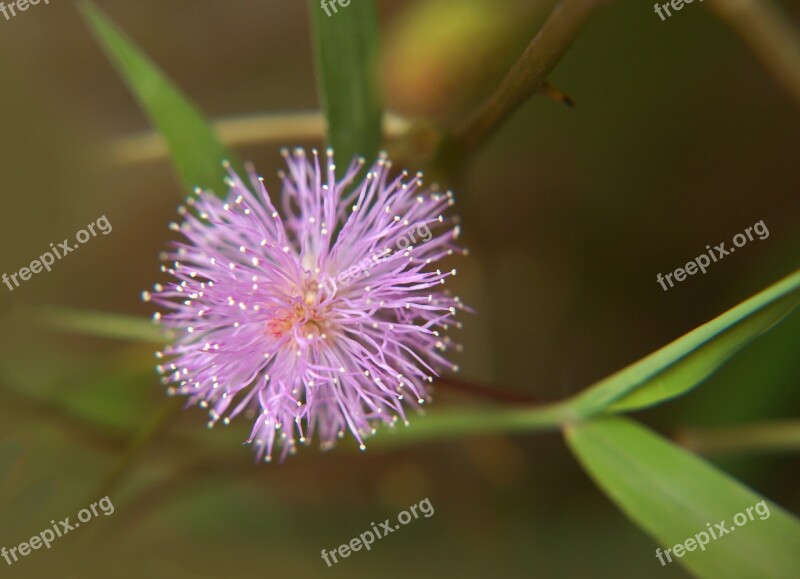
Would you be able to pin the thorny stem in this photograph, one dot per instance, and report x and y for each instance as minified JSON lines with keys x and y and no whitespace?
{"x":771,"y":36}
{"x":527,"y":77}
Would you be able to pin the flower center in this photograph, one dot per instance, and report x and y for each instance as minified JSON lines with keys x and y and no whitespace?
{"x":285,"y":319}
{"x":302,"y":313}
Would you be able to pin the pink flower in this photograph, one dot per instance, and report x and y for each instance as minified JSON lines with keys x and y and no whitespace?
{"x":325,"y":318}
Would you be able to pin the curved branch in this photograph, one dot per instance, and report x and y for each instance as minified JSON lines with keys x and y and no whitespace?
{"x":527,"y":77}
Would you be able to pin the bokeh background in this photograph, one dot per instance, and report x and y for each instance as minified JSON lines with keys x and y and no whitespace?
{"x":679,"y":139}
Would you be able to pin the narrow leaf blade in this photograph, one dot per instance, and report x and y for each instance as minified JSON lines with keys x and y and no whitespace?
{"x":671,"y":494}
{"x":195,"y":149}
{"x":346,"y":55}
{"x":686,"y":362}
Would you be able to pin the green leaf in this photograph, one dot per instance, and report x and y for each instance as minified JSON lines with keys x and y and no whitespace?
{"x":668,"y":372}
{"x":99,"y":324}
{"x":686,"y":362}
{"x":196,"y":151}
{"x":346,"y":55}
{"x":672,"y":494}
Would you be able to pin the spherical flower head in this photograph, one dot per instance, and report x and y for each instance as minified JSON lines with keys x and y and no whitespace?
{"x":325,"y":317}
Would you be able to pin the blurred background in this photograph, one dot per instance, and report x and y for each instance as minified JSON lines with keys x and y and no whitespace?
{"x":679,"y":139}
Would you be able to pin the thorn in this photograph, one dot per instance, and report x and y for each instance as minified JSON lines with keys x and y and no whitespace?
{"x":553,"y":93}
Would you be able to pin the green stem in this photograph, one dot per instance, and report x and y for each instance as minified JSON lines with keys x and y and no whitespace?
{"x":282,"y":129}
{"x":99,"y":324}
{"x":478,"y":422}
{"x":527,"y":77}
{"x":777,"y":436}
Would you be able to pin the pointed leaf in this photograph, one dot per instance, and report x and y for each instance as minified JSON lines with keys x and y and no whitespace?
{"x":686,"y":362}
{"x":664,"y":374}
{"x":196,"y":151}
{"x":346,"y":54}
{"x":672,"y":495}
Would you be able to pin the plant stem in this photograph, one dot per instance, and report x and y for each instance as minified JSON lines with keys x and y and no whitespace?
{"x":478,"y":422}
{"x":527,"y":77}
{"x":770,"y":35}
{"x":282,"y":129}
{"x":95,"y":323}
{"x":777,"y":436}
